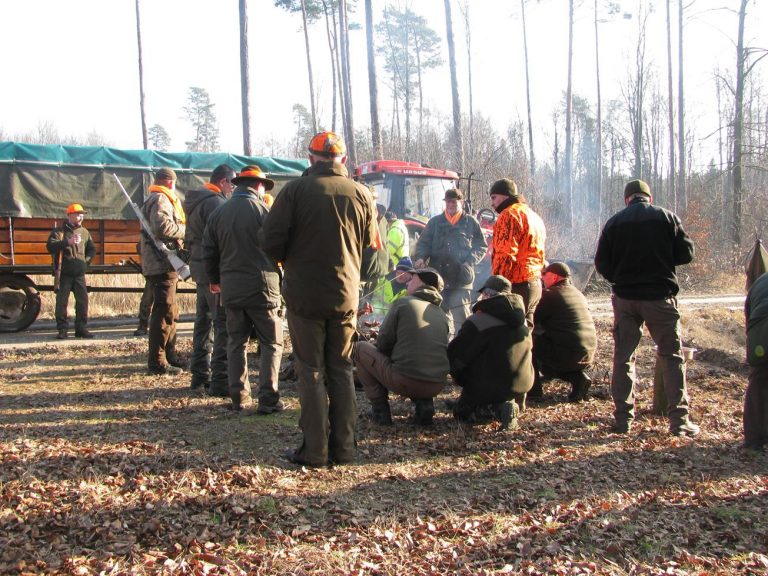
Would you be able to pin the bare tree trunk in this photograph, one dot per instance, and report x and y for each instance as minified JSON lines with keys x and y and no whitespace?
{"x":568,"y":168}
{"x":528,"y":91}
{"x":349,"y":129}
{"x":373,"y":91}
{"x":556,"y":152}
{"x":309,"y":66}
{"x":681,"y":191}
{"x":144,"y":137}
{"x":407,"y":89}
{"x":671,"y":110}
{"x":468,"y":33}
{"x":738,"y":128}
{"x":639,"y":98}
{"x":245,"y":82}
{"x":458,"y":140}
{"x":599,"y":136}
{"x":420,"y":84}
{"x":330,"y":30}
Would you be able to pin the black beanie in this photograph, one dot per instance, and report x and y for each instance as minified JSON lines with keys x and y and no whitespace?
{"x":504,"y":187}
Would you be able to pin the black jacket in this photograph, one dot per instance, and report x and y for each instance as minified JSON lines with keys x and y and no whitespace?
{"x":491,"y":355}
{"x":638,"y":250}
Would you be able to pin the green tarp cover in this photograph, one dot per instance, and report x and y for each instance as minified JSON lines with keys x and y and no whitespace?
{"x":42,"y":180}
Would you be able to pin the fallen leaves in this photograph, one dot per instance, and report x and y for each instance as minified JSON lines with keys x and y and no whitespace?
{"x":117,"y":473}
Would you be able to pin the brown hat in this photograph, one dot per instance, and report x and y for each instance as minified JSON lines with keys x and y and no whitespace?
{"x":559,"y":268}
{"x":454,"y":194}
{"x":504,"y":187}
{"x":165,"y":174}
{"x":251,"y":173}
{"x":498,"y":284}
{"x":636,"y":187}
{"x":429,"y":276}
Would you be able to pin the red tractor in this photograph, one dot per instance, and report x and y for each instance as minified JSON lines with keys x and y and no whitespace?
{"x":415,"y":192}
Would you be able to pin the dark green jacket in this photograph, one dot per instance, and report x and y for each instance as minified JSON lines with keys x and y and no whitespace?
{"x":756,"y":315}
{"x":318,"y":227}
{"x":491,"y":355}
{"x":74,"y":258}
{"x":563,"y":328}
{"x":414,"y":334}
{"x":233,"y":255}
{"x":198,"y":207}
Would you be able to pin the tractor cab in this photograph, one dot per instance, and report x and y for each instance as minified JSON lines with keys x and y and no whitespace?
{"x":412,"y":191}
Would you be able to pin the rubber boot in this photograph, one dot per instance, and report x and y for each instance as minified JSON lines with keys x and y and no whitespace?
{"x":425,"y":411}
{"x":380,"y":413}
{"x":580,"y":384}
{"x":536,"y":393}
{"x":506,"y":413}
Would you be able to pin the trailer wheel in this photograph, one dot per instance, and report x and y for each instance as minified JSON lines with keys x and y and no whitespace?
{"x":19,"y":302}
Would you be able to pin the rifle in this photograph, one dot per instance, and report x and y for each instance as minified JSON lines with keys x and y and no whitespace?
{"x":57,"y":265}
{"x":173,"y":257}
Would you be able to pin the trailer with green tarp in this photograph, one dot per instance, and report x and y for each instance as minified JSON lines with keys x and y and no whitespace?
{"x":38,"y":182}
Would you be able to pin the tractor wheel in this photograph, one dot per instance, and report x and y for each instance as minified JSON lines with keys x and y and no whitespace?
{"x":19,"y":302}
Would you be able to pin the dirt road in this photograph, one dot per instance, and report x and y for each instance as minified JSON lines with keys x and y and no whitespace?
{"x":43,"y":333}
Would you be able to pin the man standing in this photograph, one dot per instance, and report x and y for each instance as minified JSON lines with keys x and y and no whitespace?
{"x":72,"y":250}
{"x":249,"y":285}
{"x":398,"y":244}
{"x":453,"y":243}
{"x":409,"y":357}
{"x":638,"y":250}
{"x":755,"y":419}
{"x":491,"y":355}
{"x":318,"y":227}
{"x":209,"y":337}
{"x":564,"y":335}
{"x":518,"y":243}
{"x":165,"y":216}
{"x":145,"y":305}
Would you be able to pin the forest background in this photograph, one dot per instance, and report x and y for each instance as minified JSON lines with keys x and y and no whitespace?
{"x":570,"y":98}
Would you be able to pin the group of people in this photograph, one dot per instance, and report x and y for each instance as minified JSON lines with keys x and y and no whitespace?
{"x":499,"y":349}
{"x":529,"y":323}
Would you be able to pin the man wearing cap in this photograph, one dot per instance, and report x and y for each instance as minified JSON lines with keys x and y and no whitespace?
{"x":637,"y":252}
{"x":564,"y":336}
{"x":453,"y":244}
{"x":398,"y":244}
{"x":72,"y":250}
{"x":165,"y":215}
{"x":409,"y":357}
{"x":248,"y":283}
{"x":490,"y":356}
{"x":394,"y":286}
{"x":209,"y":337}
{"x":375,"y":263}
{"x":519,"y":235}
{"x":318,"y":227}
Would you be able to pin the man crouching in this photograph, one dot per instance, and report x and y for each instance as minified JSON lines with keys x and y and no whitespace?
{"x":410,"y":354}
{"x":490,"y":357}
